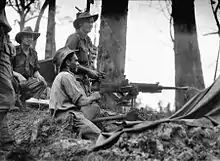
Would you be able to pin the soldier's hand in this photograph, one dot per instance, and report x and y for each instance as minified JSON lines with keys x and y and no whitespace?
{"x":102,"y":75}
{"x":93,"y":74}
{"x":41,"y":78}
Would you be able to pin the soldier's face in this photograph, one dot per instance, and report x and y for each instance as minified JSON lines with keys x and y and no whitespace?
{"x":86,"y":25}
{"x":27,"y":39}
{"x":74,"y":64}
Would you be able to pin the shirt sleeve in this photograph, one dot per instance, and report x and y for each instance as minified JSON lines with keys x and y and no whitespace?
{"x":72,"y":42}
{"x":71,"y":89}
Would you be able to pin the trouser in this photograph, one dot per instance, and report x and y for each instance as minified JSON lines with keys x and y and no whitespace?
{"x":91,"y":111}
{"x":82,"y":126}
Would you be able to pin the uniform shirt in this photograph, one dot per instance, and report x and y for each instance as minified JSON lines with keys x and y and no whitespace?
{"x":25,"y":65}
{"x":65,"y":91}
{"x":77,"y":41}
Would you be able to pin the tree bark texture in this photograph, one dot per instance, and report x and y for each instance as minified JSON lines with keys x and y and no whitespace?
{"x":112,"y":41}
{"x":50,"y":37}
{"x":188,"y":67}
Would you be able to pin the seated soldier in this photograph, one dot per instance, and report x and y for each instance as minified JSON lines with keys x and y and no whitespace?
{"x":68,"y":96}
{"x":27,"y":79}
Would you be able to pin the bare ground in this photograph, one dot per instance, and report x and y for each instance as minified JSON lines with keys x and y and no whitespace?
{"x":41,"y":139}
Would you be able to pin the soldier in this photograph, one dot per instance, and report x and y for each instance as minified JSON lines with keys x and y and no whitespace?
{"x":26,"y":67}
{"x":68,"y":96}
{"x":7,"y":94}
{"x":80,"y":40}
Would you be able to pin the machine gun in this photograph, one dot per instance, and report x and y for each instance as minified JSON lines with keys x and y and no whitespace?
{"x":125,"y":91}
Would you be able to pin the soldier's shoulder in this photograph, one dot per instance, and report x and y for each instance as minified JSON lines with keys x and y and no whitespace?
{"x":73,"y":36}
{"x":64,"y":73}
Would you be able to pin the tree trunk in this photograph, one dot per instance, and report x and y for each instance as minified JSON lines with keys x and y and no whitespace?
{"x":50,"y":37}
{"x":37,"y":25}
{"x":112,"y":41}
{"x":22,"y":21}
{"x":188,"y":68}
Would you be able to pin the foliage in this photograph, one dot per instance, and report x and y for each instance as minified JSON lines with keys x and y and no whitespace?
{"x":27,"y":10}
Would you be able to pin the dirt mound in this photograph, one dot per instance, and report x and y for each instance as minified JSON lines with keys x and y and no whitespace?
{"x":40,"y":138}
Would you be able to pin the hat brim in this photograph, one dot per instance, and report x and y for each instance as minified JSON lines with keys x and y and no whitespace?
{"x":20,"y":34}
{"x":75,"y":22}
{"x":66,"y":54}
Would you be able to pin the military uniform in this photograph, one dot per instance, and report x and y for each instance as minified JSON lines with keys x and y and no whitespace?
{"x":27,"y":66}
{"x":83,"y":45}
{"x":7,"y":94}
{"x":65,"y":94}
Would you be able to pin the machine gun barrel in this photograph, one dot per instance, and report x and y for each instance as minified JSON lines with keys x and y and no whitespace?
{"x":139,"y":87}
{"x":154,"y":88}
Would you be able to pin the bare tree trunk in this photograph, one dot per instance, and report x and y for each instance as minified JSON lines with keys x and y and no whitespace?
{"x":188,"y":68}
{"x":37,"y":25}
{"x":112,"y":41}
{"x":50,"y":37}
{"x":22,"y":21}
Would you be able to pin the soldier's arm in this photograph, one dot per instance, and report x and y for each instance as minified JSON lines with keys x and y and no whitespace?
{"x":93,"y":74}
{"x":75,"y":92}
{"x":84,"y":100}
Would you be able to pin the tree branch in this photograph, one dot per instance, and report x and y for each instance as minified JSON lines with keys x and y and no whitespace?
{"x":37,"y":25}
{"x":171,"y":36}
{"x":217,"y":7}
{"x":17,"y":5}
{"x":40,"y":15}
{"x":22,"y":3}
{"x":31,"y":18}
{"x":215,"y":10}
{"x":215,"y":13}
{"x":11,"y":5}
{"x":28,"y":5}
{"x":27,"y":11}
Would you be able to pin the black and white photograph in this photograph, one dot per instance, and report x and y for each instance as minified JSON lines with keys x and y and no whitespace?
{"x":106,"y":80}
